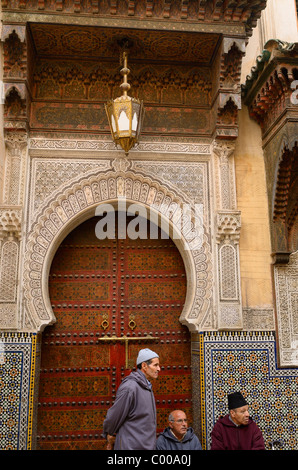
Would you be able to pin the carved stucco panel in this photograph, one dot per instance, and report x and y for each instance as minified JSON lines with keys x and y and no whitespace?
{"x":16,"y":151}
{"x":10,"y":235}
{"x":8,"y":316}
{"x":192,"y":179}
{"x":48,"y":175}
{"x":73,"y":203}
{"x":286,"y":286}
{"x":224,"y":175}
{"x":227,"y":232}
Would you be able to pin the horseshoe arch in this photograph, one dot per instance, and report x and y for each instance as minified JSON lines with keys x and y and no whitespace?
{"x":76,"y":203}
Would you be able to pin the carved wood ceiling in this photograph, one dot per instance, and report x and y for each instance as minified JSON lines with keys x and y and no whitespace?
{"x":87,"y":42}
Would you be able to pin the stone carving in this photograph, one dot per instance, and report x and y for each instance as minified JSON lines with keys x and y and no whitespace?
{"x":104,"y":146}
{"x":8,"y":271}
{"x":228,"y":226}
{"x":286,"y":286}
{"x":120,"y":164}
{"x":258,"y":319}
{"x":16,"y":144}
{"x":224,"y":151}
{"x":8,"y":316}
{"x":228,"y":283}
{"x":10,"y":222}
{"x":73,"y":202}
{"x":190,"y":177}
{"x":10,"y":226}
{"x":49,"y":175}
{"x":229,"y":296}
{"x":10,"y":233}
{"x":227,"y":232}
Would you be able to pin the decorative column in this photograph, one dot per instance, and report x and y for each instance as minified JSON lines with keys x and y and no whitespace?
{"x":227,"y":231}
{"x":227,"y":102}
{"x":15,"y":79}
{"x":16,"y":147}
{"x":10,"y":229}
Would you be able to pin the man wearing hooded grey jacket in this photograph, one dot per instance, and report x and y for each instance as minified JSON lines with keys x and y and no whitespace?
{"x":177,"y":436}
{"x":132,"y":418}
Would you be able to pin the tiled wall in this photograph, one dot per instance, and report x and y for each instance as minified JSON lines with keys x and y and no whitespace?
{"x":247,"y":362}
{"x":17,"y":361}
{"x":228,"y":362}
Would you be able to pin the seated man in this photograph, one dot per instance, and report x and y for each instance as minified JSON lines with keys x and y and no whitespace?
{"x":236,"y":430}
{"x":177,"y":436}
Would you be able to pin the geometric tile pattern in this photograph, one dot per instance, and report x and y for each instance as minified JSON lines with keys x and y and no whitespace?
{"x":246,"y":362}
{"x":16,"y":390}
{"x":229,"y":361}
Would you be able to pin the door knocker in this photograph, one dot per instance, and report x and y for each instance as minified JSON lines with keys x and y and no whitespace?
{"x":132,"y":324}
{"x":105,"y":323}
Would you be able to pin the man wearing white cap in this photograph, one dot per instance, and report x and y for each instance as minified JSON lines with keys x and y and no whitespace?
{"x":132,"y":418}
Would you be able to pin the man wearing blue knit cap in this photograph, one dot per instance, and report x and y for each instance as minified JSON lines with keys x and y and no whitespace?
{"x":132,"y":418}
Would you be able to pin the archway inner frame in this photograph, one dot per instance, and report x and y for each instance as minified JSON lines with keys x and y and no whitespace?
{"x":78,"y":202}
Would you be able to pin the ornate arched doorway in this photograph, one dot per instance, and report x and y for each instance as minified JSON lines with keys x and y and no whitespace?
{"x":110,"y":298}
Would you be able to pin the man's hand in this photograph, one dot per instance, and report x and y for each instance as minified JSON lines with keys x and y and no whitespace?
{"x":111,"y":442}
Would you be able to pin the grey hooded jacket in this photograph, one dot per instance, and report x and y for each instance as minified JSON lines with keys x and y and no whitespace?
{"x":167,"y":441}
{"x":133,"y":415}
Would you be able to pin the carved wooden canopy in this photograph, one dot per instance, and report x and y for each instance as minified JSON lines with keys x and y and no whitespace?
{"x":213,"y":14}
{"x":270,"y":92}
{"x":61,"y":63}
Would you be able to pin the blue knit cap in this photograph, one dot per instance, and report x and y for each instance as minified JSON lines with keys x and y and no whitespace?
{"x":145,"y":355}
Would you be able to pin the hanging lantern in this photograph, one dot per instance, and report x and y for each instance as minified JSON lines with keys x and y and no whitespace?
{"x":125,"y":114}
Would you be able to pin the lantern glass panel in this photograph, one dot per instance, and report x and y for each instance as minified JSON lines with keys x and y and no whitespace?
{"x":113,"y":123}
{"x":123,"y":122}
{"x":134,"y":123}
